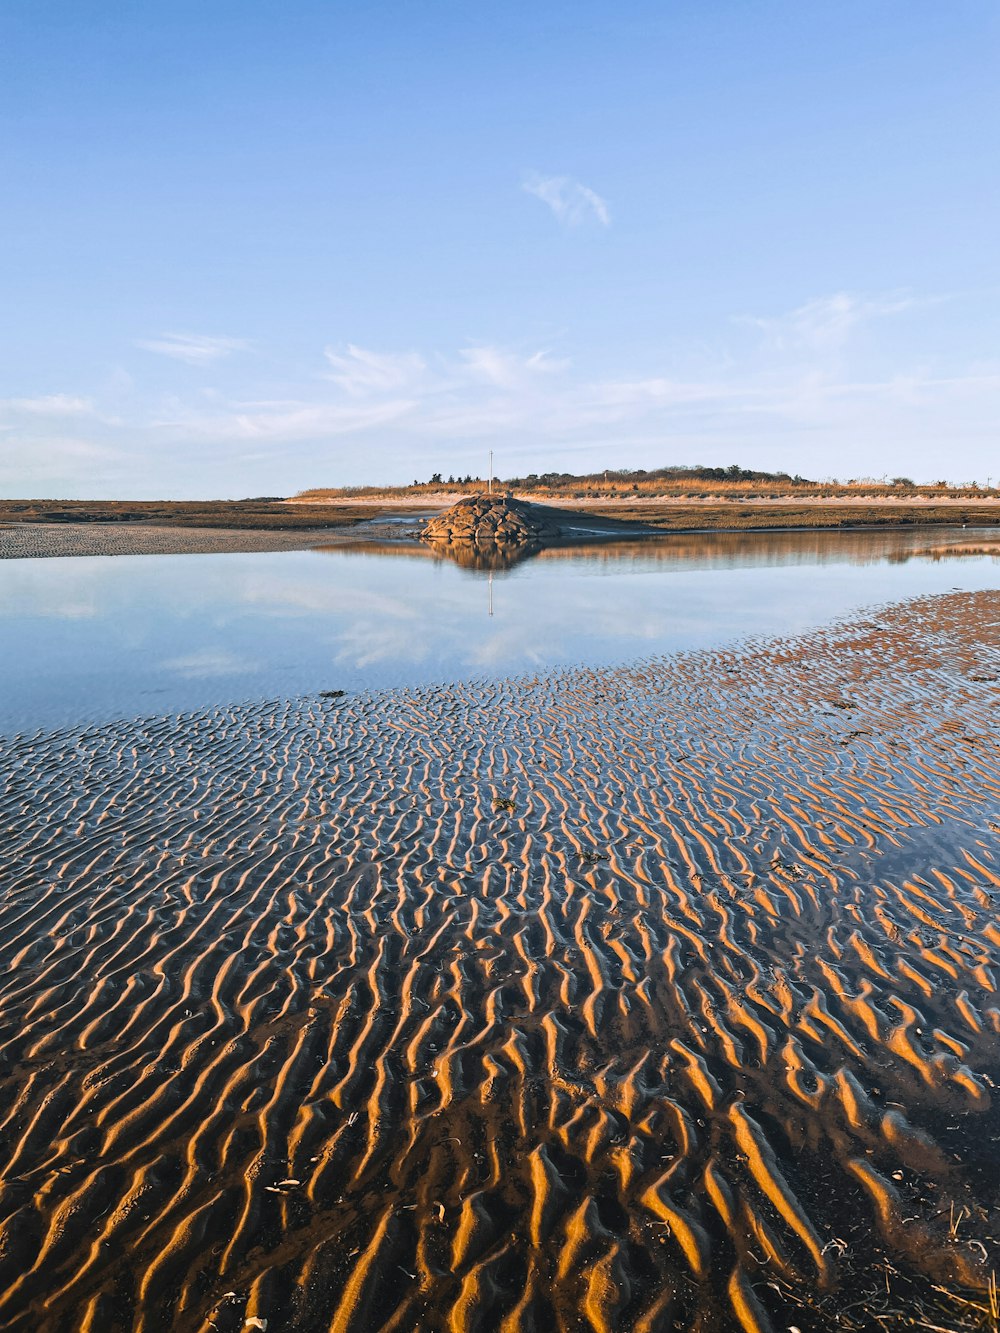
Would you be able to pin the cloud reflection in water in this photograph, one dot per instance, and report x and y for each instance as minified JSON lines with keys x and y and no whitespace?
{"x":102,"y":638}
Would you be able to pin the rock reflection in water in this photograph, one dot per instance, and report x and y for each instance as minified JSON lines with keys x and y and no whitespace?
{"x":485,"y":556}
{"x":480,"y":557}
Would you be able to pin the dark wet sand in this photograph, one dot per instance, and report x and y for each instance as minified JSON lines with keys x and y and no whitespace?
{"x":43,"y":540}
{"x":661,"y":997}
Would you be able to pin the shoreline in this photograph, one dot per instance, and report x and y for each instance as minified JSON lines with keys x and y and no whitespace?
{"x":63,"y":540}
{"x":42,"y":528}
{"x":665,"y":991}
{"x":34,"y":541}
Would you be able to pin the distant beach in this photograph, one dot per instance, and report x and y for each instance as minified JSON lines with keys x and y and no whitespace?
{"x":660,"y":996}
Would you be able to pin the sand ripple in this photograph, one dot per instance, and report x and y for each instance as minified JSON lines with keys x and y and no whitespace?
{"x":662,"y":997}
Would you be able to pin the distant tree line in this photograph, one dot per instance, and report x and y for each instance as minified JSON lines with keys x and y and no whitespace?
{"x":646,"y":480}
{"x":679,"y":472}
{"x":436,"y":480}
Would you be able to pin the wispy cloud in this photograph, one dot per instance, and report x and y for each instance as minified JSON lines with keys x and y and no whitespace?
{"x":196,"y":349}
{"x":480,"y":384}
{"x":278,"y":421}
{"x":571,"y":202}
{"x":363,"y":373}
{"x":360,"y":371}
{"x":506,"y":369}
{"x":797,"y":382}
{"x":48,"y":405}
{"x":827,"y":323}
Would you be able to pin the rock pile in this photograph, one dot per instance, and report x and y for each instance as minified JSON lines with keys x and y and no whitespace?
{"x":490,"y":520}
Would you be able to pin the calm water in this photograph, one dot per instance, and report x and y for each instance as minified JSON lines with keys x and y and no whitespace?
{"x":96,"y":638}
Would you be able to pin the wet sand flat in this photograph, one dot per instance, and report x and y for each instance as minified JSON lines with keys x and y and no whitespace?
{"x":636,"y":999}
{"x":49,"y":540}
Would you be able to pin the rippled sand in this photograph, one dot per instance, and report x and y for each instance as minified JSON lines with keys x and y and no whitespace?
{"x":643,"y":999}
{"x":35,"y":541}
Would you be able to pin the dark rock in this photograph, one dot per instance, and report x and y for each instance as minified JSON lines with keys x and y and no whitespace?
{"x":489,"y":518}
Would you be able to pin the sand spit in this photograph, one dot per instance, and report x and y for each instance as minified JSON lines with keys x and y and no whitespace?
{"x":634,"y":1000}
{"x":43,"y":540}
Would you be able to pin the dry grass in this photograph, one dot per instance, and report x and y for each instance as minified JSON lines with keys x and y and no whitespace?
{"x":639,"y":488}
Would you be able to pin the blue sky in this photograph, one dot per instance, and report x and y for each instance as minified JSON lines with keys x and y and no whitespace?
{"x":250,"y":247}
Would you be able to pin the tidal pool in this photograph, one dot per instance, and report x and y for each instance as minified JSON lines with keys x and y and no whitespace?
{"x":91,"y":639}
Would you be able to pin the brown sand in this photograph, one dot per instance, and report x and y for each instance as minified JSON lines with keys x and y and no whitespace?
{"x":645,"y":999}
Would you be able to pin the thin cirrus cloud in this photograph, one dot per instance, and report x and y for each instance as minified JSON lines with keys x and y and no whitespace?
{"x":195,"y":349}
{"x":827,"y":323}
{"x":505,"y":369}
{"x":359,"y":371}
{"x":487,"y":388}
{"x":572,"y":203}
{"x":363,"y":373}
{"x":48,"y":405}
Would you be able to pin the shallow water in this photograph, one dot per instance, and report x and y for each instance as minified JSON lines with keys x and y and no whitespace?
{"x":95,"y":638}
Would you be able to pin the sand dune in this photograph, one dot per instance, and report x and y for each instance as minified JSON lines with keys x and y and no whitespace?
{"x":662,"y":997}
